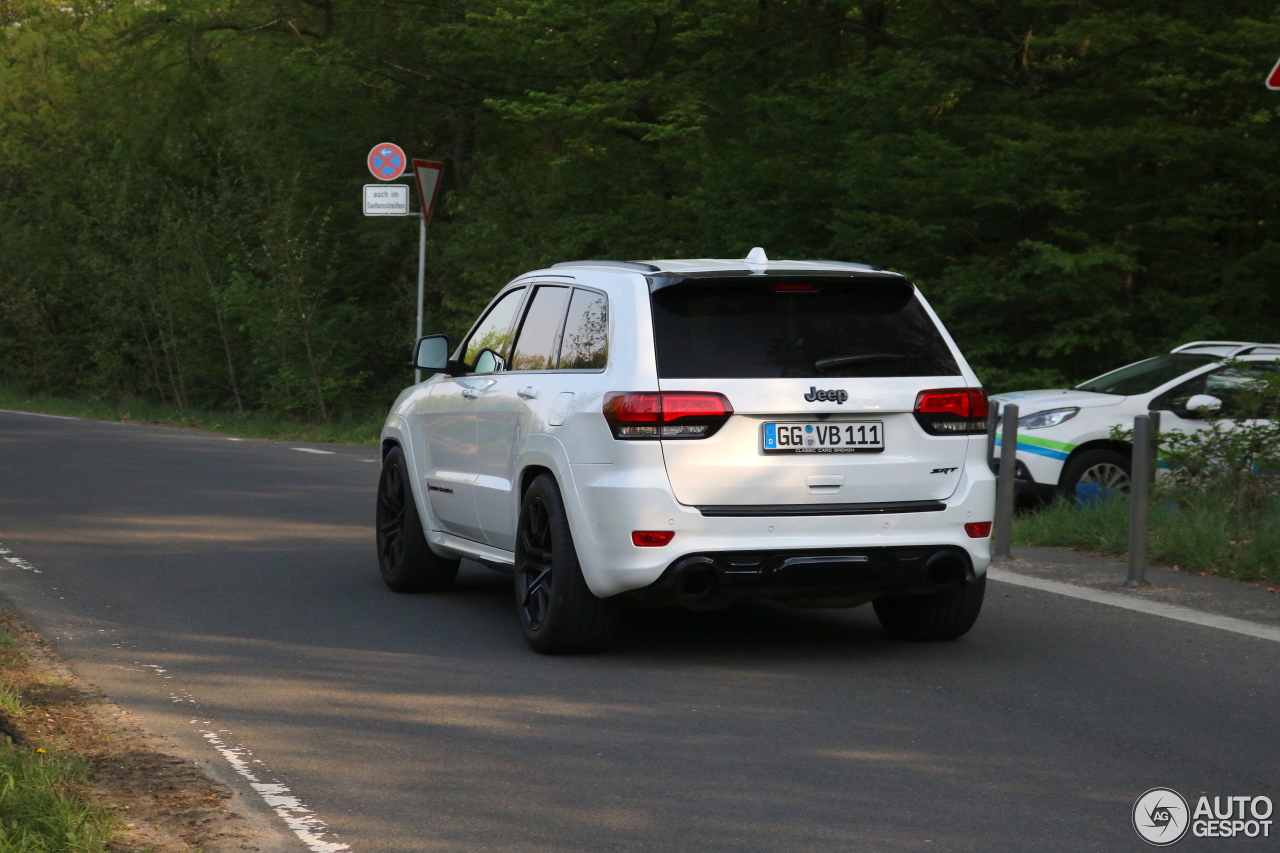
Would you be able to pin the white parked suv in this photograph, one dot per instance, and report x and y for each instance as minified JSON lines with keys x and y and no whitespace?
{"x":1064,"y":435}
{"x":695,"y":432}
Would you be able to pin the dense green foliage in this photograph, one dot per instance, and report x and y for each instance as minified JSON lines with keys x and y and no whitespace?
{"x":1073,"y":184}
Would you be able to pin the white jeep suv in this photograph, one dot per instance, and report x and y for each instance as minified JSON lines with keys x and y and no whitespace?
{"x":694,"y":433}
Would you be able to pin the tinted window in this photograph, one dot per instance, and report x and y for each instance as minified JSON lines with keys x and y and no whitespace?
{"x":539,"y":338}
{"x":494,"y":331}
{"x":1239,"y":386}
{"x":1147,"y":375}
{"x":586,"y":332}
{"x":727,"y":328}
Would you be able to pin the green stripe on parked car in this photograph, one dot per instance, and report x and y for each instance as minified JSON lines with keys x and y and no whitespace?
{"x":1046,"y":442}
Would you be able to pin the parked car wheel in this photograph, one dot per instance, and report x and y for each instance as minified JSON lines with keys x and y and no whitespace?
{"x":404,"y":558}
{"x":558,"y":613}
{"x":938,"y":616}
{"x":1104,"y":470}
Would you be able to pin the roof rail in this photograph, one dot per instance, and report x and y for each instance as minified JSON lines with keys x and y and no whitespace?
{"x":634,"y":266}
{"x":1198,"y":344}
{"x":1250,"y":348}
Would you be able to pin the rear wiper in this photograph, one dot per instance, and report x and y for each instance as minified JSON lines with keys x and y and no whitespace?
{"x":842,"y":360}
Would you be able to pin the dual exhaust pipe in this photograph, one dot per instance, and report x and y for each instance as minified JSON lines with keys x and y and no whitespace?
{"x":698,"y":580}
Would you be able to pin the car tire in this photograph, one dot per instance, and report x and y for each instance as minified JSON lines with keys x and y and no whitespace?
{"x":937,"y":616}
{"x":1108,"y":469}
{"x":558,"y":612}
{"x":406,"y":561}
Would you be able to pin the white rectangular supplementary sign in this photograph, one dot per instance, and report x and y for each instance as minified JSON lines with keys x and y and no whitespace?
{"x":386,"y":199}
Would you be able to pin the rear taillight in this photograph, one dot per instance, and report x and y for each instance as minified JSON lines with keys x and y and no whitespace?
{"x":978,"y":529}
{"x":952,"y":411}
{"x":665,"y":414}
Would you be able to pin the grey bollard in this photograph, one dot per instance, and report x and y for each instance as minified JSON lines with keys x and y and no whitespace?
{"x":1139,"y":499}
{"x":1004,"y":483}
{"x":993,"y":422}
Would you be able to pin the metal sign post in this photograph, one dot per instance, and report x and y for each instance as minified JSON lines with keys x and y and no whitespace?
{"x":426,"y":173}
{"x":387,"y":162}
{"x":422,"y":277}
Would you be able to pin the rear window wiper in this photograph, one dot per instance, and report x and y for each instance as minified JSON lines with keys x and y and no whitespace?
{"x":842,"y":360}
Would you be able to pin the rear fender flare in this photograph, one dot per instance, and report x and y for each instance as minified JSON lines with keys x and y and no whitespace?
{"x":546,"y":452}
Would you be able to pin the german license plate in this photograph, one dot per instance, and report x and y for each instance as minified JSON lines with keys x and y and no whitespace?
{"x":855,"y":437}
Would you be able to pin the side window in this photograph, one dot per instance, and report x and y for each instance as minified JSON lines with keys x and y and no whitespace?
{"x":493,"y":334}
{"x":586,"y":332}
{"x":1238,"y":387}
{"x":539,"y":337}
{"x":1232,"y":385}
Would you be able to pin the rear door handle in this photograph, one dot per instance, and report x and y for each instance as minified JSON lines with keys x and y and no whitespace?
{"x":527,"y":393}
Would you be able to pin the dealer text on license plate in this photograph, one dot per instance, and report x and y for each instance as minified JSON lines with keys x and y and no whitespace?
{"x":856,"y":437}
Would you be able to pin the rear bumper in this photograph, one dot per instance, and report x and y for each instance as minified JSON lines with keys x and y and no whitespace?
{"x":828,"y":577}
{"x":607,"y":502}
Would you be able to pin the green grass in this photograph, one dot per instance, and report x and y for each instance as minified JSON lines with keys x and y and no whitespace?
{"x":1204,"y":533}
{"x":10,"y":703}
{"x":345,"y":430}
{"x":43,"y":808}
{"x":44,"y":801}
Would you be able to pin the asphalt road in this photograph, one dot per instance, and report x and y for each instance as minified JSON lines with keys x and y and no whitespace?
{"x":245,"y":571}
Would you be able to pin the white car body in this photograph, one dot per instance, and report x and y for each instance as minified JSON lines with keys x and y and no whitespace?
{"x":1045,"y":453}
{"x":474,"y":442}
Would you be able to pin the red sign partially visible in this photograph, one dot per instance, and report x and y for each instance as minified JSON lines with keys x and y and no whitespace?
{"x":387,"y":161}
{"x":427,"y":174}
{"x":1273,"y":79}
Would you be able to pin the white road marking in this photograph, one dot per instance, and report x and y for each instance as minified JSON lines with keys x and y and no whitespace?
{"x":235,"y":439}
{"x":313,"y":450}
{"x":17,"y":562}
{"x":1128,"y":601}
{"x":304,"y":822}
{"x":40,"y":415}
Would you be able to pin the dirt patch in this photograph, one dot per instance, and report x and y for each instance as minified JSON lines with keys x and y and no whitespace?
{"x":165,"y":804}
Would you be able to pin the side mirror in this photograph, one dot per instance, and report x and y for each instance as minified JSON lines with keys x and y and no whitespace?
{"x":432,"y":354}
{"x":1203,"y":401}
{"x":488,"y":361}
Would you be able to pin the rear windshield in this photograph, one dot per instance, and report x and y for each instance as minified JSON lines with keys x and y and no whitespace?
{"x":774,"y":328}
{"x":1147,"y":375}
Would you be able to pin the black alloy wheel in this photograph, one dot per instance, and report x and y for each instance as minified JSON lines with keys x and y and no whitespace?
{"x":405,"y":560}
{"x":558,"y":612}
{"x":535,"y":576}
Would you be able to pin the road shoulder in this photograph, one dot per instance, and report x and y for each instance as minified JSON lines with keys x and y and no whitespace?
{"x":164,"y":803}
{"x":1203,"y":593}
